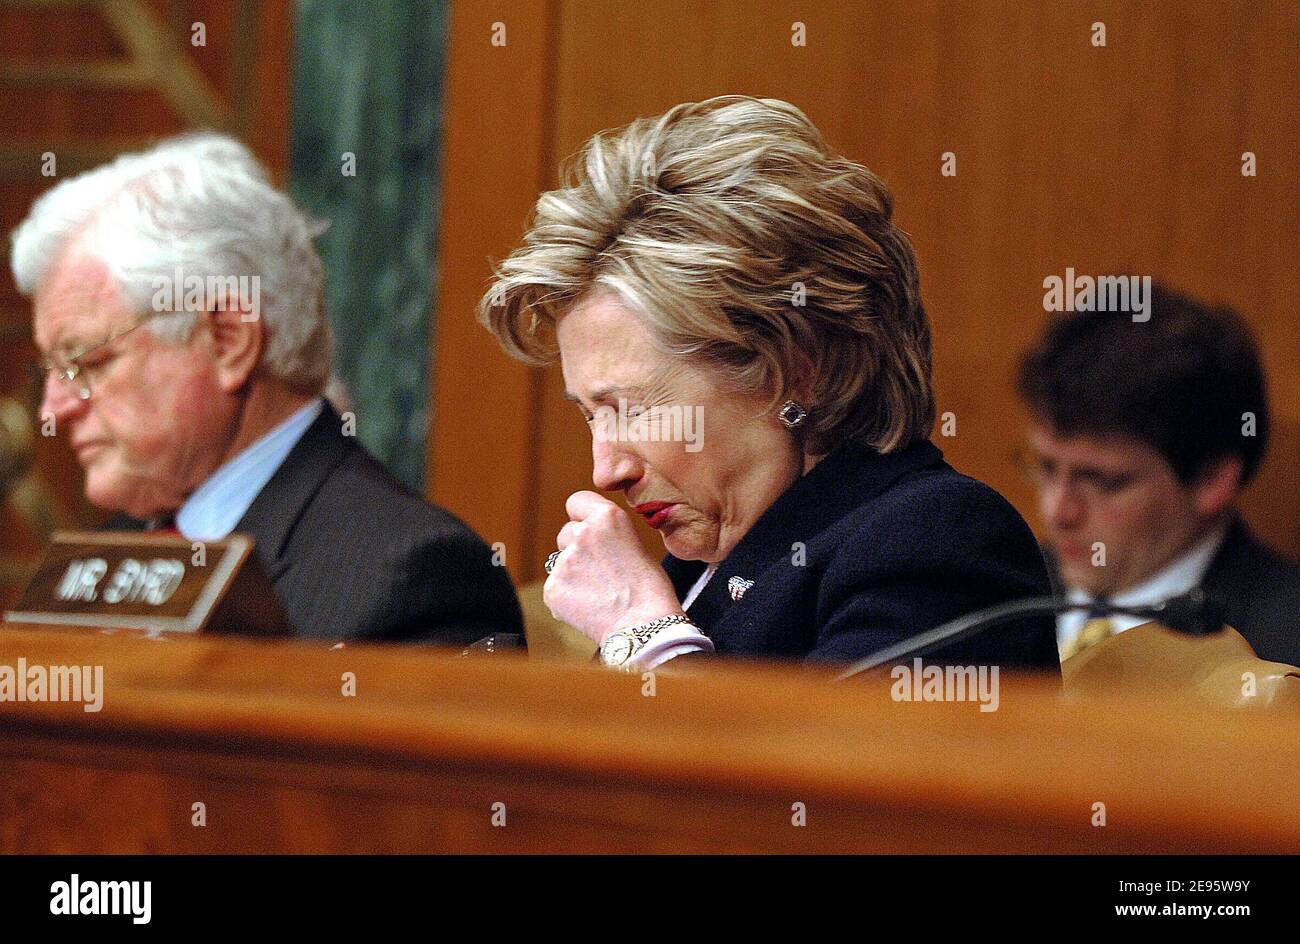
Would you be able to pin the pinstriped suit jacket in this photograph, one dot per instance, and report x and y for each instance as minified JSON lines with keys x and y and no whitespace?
{"x":352,"y":554}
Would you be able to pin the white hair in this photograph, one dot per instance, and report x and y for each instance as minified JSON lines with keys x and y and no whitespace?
{"x":202,"y":204}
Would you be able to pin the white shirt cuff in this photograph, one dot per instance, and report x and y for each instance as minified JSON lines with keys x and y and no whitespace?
{"x":669,"y":644}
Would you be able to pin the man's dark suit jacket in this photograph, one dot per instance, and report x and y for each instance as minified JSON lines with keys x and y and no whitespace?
{"x":1256,"y":590}
{"x":868,"y":549}
{"x":352,"y":554}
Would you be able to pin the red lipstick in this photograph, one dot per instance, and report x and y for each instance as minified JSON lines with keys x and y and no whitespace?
{"x":656,"y":513}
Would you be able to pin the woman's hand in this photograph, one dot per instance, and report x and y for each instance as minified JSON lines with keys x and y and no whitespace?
{"x":604,"y":580}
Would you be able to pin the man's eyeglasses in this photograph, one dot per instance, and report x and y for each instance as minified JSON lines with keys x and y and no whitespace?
{"x":1093,"y":484}
{"x":75,"y":367}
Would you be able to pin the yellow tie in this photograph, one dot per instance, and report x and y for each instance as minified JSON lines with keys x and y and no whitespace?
{"x":1093,"y":632}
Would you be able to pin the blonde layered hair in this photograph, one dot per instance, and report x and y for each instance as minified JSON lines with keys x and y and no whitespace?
{"x":750,"y":248}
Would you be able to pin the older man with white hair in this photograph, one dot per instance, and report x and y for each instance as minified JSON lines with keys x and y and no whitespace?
{"x":179,"y":310}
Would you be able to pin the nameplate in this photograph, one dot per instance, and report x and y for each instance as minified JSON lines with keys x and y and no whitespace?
{"x":151,"y":582}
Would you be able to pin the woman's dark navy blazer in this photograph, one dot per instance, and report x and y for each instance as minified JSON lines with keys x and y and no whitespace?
{"x":866,"y":550}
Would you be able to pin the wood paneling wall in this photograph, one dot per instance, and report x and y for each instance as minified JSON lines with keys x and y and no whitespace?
{"x":69,"y":85}
{"x":1122,"y":159}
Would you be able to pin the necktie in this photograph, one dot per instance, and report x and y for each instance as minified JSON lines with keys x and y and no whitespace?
{"x":1093,"y":632}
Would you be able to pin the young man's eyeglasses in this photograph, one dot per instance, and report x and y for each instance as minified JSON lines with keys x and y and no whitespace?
{"x":1093,"y":484}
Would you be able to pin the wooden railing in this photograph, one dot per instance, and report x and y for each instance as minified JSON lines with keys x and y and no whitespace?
{"x":224,"y":745}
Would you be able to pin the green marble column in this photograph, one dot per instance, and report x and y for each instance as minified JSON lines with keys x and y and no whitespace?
{"x":367,"y":129}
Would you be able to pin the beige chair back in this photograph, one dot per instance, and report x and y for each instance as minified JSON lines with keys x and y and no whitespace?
{"x":1221,"y":669}
{"x":548,"y":638}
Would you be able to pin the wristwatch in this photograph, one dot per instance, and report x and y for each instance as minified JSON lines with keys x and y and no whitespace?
{"x":621,"y":647}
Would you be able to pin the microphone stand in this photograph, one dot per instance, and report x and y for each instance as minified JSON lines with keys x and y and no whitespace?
{"x":1192,"y":613}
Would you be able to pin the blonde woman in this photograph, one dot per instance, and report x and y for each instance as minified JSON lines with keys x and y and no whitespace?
{"x":720,"y":271}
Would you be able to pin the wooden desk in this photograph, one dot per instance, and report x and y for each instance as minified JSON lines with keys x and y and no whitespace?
{"x":260,"y":733}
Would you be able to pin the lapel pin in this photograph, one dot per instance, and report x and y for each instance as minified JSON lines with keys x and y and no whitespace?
{"x":737,"y":587}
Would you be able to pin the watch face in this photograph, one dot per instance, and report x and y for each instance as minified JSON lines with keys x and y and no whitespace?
{"x":616,"y":650}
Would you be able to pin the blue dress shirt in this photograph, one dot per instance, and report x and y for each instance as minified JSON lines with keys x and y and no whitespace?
{"x":216,"y":506}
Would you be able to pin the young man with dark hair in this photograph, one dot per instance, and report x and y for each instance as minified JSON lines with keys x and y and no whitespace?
{"x":1142,"y":435}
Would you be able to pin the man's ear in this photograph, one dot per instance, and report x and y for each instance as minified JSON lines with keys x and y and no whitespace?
{"x":1217,"y":485}
{"x":237,"y":340}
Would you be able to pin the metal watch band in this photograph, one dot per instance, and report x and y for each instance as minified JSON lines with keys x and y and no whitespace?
{"x":641,"y":635}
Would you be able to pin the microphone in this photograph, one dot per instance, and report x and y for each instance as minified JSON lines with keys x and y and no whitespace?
{"x":1193,"y":613}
